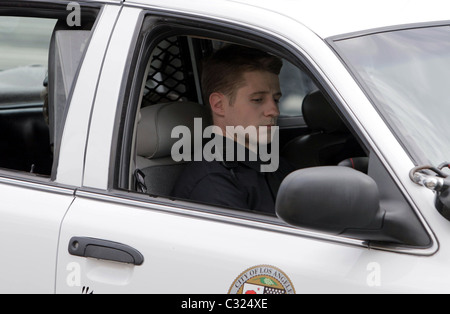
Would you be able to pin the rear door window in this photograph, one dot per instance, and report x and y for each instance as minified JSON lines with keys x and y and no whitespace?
{"x":39,"y":60}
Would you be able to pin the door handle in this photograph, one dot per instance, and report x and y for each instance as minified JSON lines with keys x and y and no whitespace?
{"x":105,"y":250}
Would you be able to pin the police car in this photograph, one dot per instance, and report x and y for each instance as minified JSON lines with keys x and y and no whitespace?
{"x":89,"y":94}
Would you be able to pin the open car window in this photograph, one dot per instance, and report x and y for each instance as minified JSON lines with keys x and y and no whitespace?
{"x":172,"y":99}
{"x":40,"y":58}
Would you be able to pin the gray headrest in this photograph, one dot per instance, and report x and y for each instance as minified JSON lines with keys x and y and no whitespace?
{"x":319,"y":115}
{"x":157,"y":122}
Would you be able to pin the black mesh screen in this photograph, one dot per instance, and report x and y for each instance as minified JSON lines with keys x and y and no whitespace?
{"x":170,"y":78}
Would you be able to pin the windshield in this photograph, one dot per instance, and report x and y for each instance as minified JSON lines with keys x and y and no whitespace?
{"x":407,"y":75}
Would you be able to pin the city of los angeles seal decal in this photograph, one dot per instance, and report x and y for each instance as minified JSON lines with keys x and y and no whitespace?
{"x":262,"y":279}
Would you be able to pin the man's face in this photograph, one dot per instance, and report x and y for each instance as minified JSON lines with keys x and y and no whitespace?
{"x":256,"y":104}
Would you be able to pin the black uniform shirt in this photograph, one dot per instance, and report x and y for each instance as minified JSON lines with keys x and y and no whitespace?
{"x":237,"y":184}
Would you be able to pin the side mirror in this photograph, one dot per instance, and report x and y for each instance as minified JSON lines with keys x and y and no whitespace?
{"x":336,"y":200}
{"x":443,"y":202}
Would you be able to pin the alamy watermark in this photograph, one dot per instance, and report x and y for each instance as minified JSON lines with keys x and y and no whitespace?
{"x":74,"y":17}
{"x":256,"y":139}
{"x":374,"y":274}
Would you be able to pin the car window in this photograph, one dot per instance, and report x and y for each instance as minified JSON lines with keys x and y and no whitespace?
{"x":295,"y":84}
{"x":39,"y":60}
{"x":24,"y":139}
{"x":171,"y":108}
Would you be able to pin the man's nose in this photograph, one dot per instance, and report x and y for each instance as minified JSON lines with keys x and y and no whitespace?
{"x":272,"y":109}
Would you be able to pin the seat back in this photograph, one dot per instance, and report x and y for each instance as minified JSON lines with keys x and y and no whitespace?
{"x":154,"y":142}
{"x":329,"y":142}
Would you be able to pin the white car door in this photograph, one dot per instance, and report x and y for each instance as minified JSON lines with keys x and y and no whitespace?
{"x":30,"y":218}
{"x":116,"y":241}
{"x":34,"y":201}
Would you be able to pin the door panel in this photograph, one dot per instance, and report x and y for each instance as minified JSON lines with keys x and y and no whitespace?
{"x":30,"y":218}
{"x":195,"y":254}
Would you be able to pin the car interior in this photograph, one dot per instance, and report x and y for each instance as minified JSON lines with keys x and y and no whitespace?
{"x":311,"y":132}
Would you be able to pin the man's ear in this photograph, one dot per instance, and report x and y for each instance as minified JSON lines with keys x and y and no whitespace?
{"x":218,"y":102}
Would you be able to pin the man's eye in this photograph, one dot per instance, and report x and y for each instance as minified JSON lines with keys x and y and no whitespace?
{"x":257,"y":100}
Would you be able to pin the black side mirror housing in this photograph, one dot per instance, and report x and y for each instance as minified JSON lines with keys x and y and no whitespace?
{"x":334,"y":200}
{"x":443,"y":202}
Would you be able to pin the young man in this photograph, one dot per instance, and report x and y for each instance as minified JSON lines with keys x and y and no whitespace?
{"x":243,"y":90}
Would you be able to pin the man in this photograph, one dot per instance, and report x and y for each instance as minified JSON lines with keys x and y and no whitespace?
{"x":243,"y":90}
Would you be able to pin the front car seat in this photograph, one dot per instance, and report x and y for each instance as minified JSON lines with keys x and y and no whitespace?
{"x":154,"y":143}
{"x":329,"y":142}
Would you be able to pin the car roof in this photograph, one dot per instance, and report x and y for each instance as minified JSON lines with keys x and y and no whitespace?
{"x":331,"y":17}
{"x":326,"y":17}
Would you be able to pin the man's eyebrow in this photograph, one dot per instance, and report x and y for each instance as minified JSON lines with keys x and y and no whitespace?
{"x":265,"y":93}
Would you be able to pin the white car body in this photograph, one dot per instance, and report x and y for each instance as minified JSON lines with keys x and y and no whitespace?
{"x":188,"y":251}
